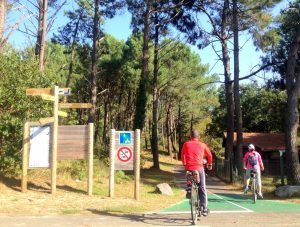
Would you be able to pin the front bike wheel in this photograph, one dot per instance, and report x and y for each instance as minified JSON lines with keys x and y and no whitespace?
{"x":254,"y":191}
{"x":194,"y":204}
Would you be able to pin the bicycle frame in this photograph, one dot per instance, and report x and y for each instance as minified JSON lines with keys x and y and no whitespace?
{"x":253,"y":178}
{"x":193,"y":176}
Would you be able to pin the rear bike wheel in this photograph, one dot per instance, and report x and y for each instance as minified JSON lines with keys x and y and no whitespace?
{"x":194,"y":204}
{"x":254,"y":190}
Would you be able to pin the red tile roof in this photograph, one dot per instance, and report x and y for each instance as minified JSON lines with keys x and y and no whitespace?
{"x":263,"y":141}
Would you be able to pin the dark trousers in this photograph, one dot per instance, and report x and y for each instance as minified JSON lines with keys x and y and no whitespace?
{"x":202,"y":189}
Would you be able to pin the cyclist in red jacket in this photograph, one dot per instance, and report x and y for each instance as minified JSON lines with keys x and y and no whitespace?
{"x":192,"y":154}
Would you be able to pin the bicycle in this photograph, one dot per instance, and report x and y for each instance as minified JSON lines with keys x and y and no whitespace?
{"x":196,"y":208}
{"x":253,"y":179}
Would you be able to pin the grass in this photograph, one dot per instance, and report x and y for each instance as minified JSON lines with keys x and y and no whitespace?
{"x":71,"y":197}
{"x":71,"y":211}
{"x":269,"y":186}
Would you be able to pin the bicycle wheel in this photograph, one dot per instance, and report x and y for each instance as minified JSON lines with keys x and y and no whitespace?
{"x":254,"y":190}
{"x":194,"y":204}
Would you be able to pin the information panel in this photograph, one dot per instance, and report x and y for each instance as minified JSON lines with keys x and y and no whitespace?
{"x":39,"y":149}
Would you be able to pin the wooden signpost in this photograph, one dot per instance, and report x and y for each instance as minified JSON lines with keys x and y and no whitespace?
{"x":75,"y":105}
{"x":38,"y":91}
{"x":62,"y":113}
{"x":46,"y":120}
{"x":48,"y":97}
{"x":52,"y":95}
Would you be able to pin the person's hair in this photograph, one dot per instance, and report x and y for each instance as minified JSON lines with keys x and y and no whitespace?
{"x":195,"y":134}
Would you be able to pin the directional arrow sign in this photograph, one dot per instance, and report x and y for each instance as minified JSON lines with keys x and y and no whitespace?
{"x":75,"y":105}
{"x":64,"y":91}
{"x":48,"y":97}
{"x":62,"y":114}
{"x":38,"y":91}
{"x":46,"y":120}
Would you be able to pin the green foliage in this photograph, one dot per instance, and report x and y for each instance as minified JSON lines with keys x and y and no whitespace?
{"x":19,"y":71}
{"x":17,"y":75}
{"x":263,"y":110}
{"x":78,"y":169}
{"x":121,"y":177}
{"x":183,"y":85}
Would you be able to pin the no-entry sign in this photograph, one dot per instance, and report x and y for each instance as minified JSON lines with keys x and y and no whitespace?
{"x":124,"y":154}
{"x":123,"y":150}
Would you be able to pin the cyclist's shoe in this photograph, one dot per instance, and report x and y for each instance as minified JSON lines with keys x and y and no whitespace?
{"x":205,"y":212}
{"x":246,"y":190}
{"x":188,"y":195}
{"x":260,"y":195}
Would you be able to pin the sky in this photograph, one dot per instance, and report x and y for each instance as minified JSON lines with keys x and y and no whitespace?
{"x":119,"y":27}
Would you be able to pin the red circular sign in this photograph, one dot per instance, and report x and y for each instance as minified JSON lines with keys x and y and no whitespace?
{"x":124,"y":154}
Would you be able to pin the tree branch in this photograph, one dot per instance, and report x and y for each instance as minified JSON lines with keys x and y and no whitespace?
{"x":52,"y":18}
{"x":13,"y":29}
{"x":257,"y":71}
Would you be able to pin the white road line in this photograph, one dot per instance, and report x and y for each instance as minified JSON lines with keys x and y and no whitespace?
{"x":211,"y":212}
{"x":244,"y":208}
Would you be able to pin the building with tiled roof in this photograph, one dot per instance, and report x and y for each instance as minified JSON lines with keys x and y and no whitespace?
{"x":267,"y":144}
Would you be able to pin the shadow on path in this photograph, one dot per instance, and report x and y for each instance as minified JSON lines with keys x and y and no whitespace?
{"x":150,"y":219}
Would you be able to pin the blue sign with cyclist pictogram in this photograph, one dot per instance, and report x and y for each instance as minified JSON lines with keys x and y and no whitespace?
{"x":125,"y":138}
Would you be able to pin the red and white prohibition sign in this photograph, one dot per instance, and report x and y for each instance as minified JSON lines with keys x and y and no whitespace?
{"x":124,"y":154}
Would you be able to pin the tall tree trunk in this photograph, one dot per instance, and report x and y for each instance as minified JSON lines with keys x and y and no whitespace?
{"x":154,"y":140}
{"x":105,"y":120}
{"x":72,"y":49}
{"x":41,"y":34}
{"x":192,"y":123}
{"x":97,"y":127}
{"x":145,"y":134}
{"x":3,"y":8}
{"x":174,"y":133}
{"x":180,"y":132}
{"x":238,"y":110}
{"x":163,"y":134}
{"x":39,"y":30}
{"x":128,"y":112}
{"x":169,"y":142}
{"x":119,"y":110}
{"x":96,"y":37}
{"x":141,"y":100}
{"x":292,"y":113}
{"x":228,"y":86}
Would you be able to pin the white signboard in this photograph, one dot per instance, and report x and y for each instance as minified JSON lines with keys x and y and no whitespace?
{"x":39,"y":146}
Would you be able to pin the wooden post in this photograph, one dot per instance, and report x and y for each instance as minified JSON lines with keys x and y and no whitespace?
{"x":91,"y":158}
{"x":137,"y":140}
{"x":112,"y":163}
{"x":54,"y":140}
{"x":25,"y":157}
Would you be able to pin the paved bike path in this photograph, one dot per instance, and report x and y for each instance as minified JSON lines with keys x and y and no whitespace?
{"x":224,"y":199}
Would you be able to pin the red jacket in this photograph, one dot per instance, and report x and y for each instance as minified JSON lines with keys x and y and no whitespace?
{"x":192,"y":154}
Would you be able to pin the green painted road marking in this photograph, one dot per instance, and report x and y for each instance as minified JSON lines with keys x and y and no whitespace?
{"x":216,"y":204}
{"x":261,"y":205}
{"x":232,"y":203}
